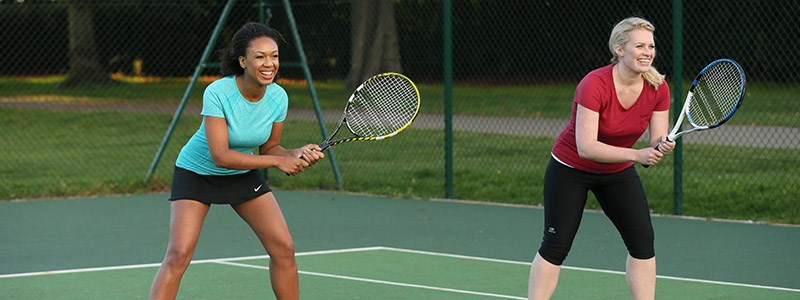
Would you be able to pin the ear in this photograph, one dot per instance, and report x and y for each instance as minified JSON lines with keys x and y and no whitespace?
{"x":618,"y":50}
{"x":241,"y":62}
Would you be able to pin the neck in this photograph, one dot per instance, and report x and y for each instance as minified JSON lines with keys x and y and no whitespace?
{"x":250,"y":90}
{"x":626,"y":76}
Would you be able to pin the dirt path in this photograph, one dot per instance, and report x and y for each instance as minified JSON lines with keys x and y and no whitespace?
{"x":729,"y":135}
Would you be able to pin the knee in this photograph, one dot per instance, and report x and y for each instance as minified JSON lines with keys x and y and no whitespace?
{"x":641,"y":245}
{"x":555,"y":247}
{"x":178,"y":257}
{"x":642,"y":253}
{"x":553,"y":254}
{"x":282,"y":252}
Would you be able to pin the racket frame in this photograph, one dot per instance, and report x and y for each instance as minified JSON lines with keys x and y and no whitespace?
{"x":674,"y":134}
{"x":329,"y":141}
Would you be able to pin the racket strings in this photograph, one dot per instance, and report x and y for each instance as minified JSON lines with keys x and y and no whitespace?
{"x":383,"y":106}
{"x":717,"y":95}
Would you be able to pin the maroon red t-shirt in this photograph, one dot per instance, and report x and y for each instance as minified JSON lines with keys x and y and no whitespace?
{"x":617,"y":126}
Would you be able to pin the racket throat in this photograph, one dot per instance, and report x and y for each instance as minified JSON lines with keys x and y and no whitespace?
{"x":325,"y":145}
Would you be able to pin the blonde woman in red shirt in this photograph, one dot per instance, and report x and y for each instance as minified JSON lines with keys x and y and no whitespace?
{"x":613,"y":106}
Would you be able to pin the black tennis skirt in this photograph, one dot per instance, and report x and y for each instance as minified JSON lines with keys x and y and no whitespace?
{"x":212,"y":189}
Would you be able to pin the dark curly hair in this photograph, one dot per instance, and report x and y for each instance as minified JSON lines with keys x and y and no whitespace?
{"x":229,"y":56}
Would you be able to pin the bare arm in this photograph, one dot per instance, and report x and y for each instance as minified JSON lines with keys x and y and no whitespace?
{"x":270,"y":156}
{"x":586,"y":128}
{"x":311,"y":153}
{"x":658,"y":132}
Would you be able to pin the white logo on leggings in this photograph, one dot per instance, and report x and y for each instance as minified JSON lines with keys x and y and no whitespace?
{"x":256,"y":189}
{"x":551,"y":230}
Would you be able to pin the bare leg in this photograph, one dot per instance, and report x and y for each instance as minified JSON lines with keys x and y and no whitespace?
{"x":186,"y":220}
{"x":266,"y":219}
{"x":543,"y":278}
{"x":641,"y":274}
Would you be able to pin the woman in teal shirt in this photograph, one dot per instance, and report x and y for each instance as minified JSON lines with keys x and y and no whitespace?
{"x":241,"y":111}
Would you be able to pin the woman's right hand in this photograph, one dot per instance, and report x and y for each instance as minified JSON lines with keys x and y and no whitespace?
{"x":292,"y":165}
{"x":649,"y":156}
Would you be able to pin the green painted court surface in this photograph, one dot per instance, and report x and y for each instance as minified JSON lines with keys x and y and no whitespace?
{"x":364,"y":247}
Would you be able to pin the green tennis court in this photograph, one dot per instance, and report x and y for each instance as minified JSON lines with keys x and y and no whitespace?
{"x":365,"y":247}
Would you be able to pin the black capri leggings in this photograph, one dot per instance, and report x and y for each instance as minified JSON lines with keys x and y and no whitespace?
{"x":621,"y":196}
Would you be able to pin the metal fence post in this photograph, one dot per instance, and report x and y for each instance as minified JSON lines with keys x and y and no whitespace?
{"x":677,"y":94}
{"x":447,"y":12}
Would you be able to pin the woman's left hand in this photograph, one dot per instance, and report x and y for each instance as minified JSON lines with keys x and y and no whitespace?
{"x":311,"y":153}
{"x":665,"y":146}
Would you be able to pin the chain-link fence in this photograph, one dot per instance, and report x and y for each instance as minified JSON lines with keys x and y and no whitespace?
{"x":88,"y":89}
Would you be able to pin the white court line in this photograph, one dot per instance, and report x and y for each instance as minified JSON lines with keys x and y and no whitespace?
{"x":155,"y":265}
{"x":427,"y":287}
{"x":596,"y":270}
{"x":230,"y":261}
{"x":219,"y":260}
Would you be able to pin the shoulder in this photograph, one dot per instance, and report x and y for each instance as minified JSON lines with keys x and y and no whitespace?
{"x":595,"y":88}
{"x":664,"y":87}
{"x":223,"y":84}
{"x":661,"y":91}
{"x":217,"y":94}
{"x":276,"y":89}
{"x":598,"y":77}
{"x":277,"y":93}
{"x":600,"y":74}
{"x":221,"y":90}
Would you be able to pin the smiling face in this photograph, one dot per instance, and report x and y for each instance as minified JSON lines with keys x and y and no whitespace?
{"x":638,"y":53}
{"x":261,"y":62}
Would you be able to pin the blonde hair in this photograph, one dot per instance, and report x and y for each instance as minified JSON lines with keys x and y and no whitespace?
{"x":619,"y":36}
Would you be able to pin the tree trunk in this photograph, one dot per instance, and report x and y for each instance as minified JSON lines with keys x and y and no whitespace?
{"x":84,"y":63}
{"x":375,"y":46}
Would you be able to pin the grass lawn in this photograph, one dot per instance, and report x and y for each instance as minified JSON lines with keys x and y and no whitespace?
{"x":55,"y":153}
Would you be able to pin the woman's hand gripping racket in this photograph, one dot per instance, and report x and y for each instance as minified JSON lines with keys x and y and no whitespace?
{"x":381,"y":107}
{"x":715,"y":95}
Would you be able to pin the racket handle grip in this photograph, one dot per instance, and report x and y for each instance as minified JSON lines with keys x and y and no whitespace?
{"x":647,"y":166}
{"x":302,"y":156}
{"x":670,"y":138}
{"x":323,"y":146}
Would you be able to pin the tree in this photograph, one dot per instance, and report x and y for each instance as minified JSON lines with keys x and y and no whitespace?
{"x":84,"y":63}
{"x":375,"y":47}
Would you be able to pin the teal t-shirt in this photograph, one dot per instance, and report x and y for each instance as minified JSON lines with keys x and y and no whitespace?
{"x":249,"y":124}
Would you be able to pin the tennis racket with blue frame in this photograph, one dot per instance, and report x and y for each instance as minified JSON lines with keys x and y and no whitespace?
{"x":715,"y":95}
